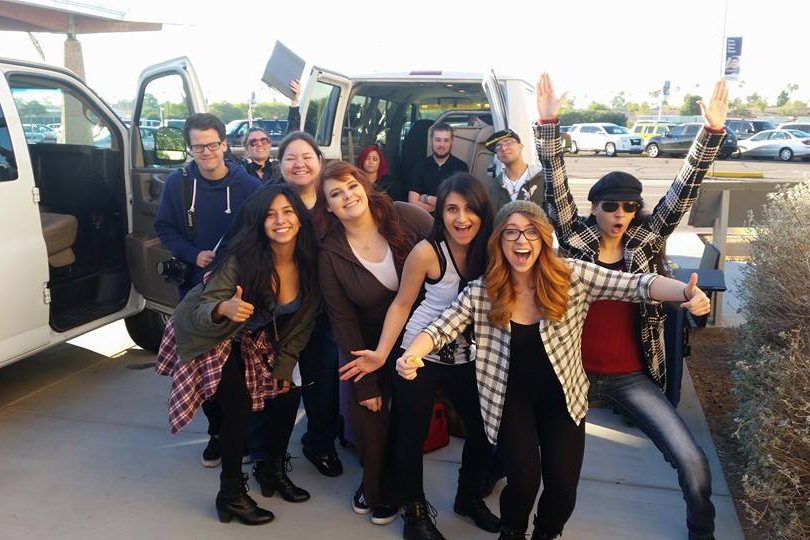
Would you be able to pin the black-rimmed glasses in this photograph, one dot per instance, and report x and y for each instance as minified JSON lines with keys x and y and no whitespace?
{"x":511,"y":235}
{"x":200,"y":148}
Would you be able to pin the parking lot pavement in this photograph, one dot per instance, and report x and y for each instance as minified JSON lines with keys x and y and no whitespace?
{"x":86,"y":454}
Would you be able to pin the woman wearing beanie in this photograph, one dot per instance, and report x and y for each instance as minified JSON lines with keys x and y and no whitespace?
{"x":623,"y":344}
{"x":527,"y":314}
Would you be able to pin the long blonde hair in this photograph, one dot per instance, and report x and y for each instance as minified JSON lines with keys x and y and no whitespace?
{"x":551,"y":277}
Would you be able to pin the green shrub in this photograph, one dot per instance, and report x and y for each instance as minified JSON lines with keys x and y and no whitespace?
{"x":587,"y":116}
{"x":772,"y":376}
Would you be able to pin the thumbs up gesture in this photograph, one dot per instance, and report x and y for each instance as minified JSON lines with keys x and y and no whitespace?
{"x":696,"y":300}
{"x":234,"y":308}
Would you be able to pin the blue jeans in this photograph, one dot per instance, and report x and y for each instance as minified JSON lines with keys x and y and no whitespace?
{"x":319,"y":381}
{"x":636,"y":396}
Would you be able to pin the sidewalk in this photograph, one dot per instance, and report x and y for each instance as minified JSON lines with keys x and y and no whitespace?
{"x":86,"y":454}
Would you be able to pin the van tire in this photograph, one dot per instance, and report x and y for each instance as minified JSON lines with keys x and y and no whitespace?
{"x":146,"y":329}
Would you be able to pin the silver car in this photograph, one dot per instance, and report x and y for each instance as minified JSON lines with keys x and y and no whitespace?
{"x":784,"y":144}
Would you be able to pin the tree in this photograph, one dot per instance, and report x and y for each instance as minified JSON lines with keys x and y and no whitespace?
{"x":690,"y":105}
{"x":227,"y":111}
{"x":794,"y":108}
{"x":619,"y":103}
{"x":756,"y":103}
{"x":736,"y":107}
{"x":782,"y":98}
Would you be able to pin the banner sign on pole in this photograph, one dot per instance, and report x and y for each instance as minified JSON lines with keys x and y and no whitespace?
{"x":733,"y":54}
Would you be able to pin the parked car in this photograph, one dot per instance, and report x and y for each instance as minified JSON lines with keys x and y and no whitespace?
{"x":801,"y":126}
{"x":746,"y":128}
{"x":648,"y":130}
{"x":678,"y":139}
{"x":784,"y":144}
{"x":604,"y":137}
{"x":47,"y":134}
{"x":566,"y":138}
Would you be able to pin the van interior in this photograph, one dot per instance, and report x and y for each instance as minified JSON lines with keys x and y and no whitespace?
{"x":397,"y":116}
{"x":79,"y":172}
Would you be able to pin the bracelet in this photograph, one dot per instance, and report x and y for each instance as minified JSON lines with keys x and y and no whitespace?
{"x":684,"y":294}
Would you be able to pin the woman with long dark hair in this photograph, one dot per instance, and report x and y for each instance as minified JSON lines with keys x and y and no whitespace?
{"x":238,"y":337}
{"x":367,"y":239}
{"x":435,"y":272}
{"x":527,"y":314}
{"x":623,"y":344}
{"x":372,"y":161}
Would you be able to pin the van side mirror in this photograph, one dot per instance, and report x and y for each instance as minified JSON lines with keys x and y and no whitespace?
{"x":170,"y":146}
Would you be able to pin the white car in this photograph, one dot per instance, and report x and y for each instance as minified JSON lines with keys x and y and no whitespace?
{"x":603,"y":137}
{"x":784,"y":144}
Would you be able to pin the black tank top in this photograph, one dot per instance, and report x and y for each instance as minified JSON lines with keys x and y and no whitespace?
{"x":530,"y":370}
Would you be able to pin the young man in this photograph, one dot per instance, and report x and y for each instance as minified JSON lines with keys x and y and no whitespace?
{"x":197,"y":206}
{"x":517,"y":181}
{"x":429,"y":173}
{"x":258,"y":142}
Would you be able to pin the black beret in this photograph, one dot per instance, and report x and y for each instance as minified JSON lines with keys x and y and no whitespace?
{"x":616,"y":186}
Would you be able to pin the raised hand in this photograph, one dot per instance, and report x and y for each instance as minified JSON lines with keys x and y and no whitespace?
{"x":714,"y":114}
{"x":548,"y":105}
{"x":295,"y":88}
{"x":366,"y":362}
{"x":407,"y":366}
{"x":698,"y":303}
{"x":235,"y":308}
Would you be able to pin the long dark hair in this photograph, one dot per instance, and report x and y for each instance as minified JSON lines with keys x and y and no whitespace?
{"x":246,"y":241}
{"x":380,"y":205}
{"x":477,"y":197}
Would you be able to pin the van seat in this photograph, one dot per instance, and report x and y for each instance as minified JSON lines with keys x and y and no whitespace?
{"x":60,"y":232}
{"x":482,"y":160}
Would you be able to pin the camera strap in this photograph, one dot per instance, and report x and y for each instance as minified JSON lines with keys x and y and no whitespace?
{"x":190,"y":224}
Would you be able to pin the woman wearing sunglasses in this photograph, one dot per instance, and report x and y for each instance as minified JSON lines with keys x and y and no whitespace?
{"x":622,"y":343}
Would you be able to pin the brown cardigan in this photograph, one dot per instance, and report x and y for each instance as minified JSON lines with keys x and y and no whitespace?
{"x":355,"y":300}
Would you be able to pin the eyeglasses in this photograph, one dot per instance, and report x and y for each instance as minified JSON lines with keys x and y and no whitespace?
{"x":257,"y":142}
{"x":511,"y":235}
{"x":200,"y":148}
{"x":503,"y":145}
{"x":612,"y":206}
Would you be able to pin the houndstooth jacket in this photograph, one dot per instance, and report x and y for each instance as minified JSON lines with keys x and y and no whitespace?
{"x":561,"y":339}
{"x":579,"y":237}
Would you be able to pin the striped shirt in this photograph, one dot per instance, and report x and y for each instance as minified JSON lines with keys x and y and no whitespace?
{"x":561,"y":339}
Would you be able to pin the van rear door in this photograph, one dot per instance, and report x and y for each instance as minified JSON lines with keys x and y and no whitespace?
{"x":24,"y":263}
{"x":323,"y":105}
{"x":497,"y":101}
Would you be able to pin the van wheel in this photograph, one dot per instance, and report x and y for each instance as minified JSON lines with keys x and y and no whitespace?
{"x":610,"y":149}
{"x":146,"y":329}
{"x":653,"y":151}
{"x":785,"y":154}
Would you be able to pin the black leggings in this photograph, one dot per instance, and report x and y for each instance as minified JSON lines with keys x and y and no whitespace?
{"x":415,"y":405}
{"x":270,"y":429}
{"x":533,"y":419}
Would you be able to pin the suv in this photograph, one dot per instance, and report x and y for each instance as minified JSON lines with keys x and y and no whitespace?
{"x":77,"y":210}
{"x":801,"y":126}
{"x":648,"y":130}
{"x":746,"y":128}
{"x":678,"y":140}
{"x":603,"y":137}
{"x":235,"y":132}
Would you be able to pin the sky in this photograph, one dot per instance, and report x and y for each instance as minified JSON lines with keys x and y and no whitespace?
{"x":592,"y":48}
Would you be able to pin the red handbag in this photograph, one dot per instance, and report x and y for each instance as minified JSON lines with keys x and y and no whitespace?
{"x":438,"y":437}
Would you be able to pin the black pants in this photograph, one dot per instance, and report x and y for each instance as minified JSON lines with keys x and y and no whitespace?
{"x":415,"y":405}
{"x":235,"y":404}
{"x":319,"y":378}
{"x":214,"y":415}
{"x":269,"y":430}
{"x":533,"y":418}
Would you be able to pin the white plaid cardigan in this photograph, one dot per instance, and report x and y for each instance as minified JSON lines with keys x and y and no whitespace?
{"x":561,"y":339}
{"x":579,"y":237}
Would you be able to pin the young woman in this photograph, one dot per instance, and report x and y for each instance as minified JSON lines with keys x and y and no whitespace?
{"x":436,"y":270}
{"x":372,"y":161}
{"x":623,"y":344}
{"x":367,"y":240}
{"x":256,"y":312}
{"x":301,"y":161}
{"x":527,"y":314}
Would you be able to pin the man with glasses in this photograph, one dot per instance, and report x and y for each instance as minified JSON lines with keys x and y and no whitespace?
{"x":517,"y":181}
{"x":258,"y":142}
{"x":197,"y":205}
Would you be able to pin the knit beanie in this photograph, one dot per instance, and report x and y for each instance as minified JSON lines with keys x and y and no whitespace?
{"x":519,"y":206}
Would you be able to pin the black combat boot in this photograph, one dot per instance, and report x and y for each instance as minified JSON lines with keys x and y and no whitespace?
{"x":420,"y":522}
{"x":234,"y":502}
{"x":272,"y":477}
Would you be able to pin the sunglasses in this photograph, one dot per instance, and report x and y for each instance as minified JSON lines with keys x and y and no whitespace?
{"x":257,"y":142}
{"x":612,"y":206}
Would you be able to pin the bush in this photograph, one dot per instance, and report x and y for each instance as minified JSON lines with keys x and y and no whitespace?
{"x":772,"y":376}
{"x":581,"y":117}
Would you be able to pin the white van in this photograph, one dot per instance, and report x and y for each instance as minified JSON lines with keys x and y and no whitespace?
{"x":79,"y":248}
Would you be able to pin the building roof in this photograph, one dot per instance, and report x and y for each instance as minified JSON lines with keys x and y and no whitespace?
{"x":63,"y":17}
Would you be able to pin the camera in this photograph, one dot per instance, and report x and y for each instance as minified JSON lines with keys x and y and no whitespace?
{"x":175,"y":271}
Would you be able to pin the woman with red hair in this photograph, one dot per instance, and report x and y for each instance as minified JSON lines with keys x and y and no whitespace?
{"x":367,"y":239}
{"x":372,"y":161}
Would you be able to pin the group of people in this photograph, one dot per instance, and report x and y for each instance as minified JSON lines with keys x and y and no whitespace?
{"x":460,"y":289}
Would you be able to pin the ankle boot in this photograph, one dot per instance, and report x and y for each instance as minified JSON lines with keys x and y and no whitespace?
{"x":272,"y":477}
{"x":420,"y":522}
{"x":511,"y":534}
{"x":471,"y":505}
{"x":537,"y":534}
{"x":233,"y":502}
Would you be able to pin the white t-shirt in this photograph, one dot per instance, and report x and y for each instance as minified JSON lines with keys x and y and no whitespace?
{"x":513,"y":188}
{"x":384,"y":271}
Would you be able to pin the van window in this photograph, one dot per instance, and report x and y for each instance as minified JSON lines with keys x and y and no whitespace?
{"x":165,"y":103}
{"x":367,"y":122}
{"x":8,"y":163}
{"x":321,"y":112}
